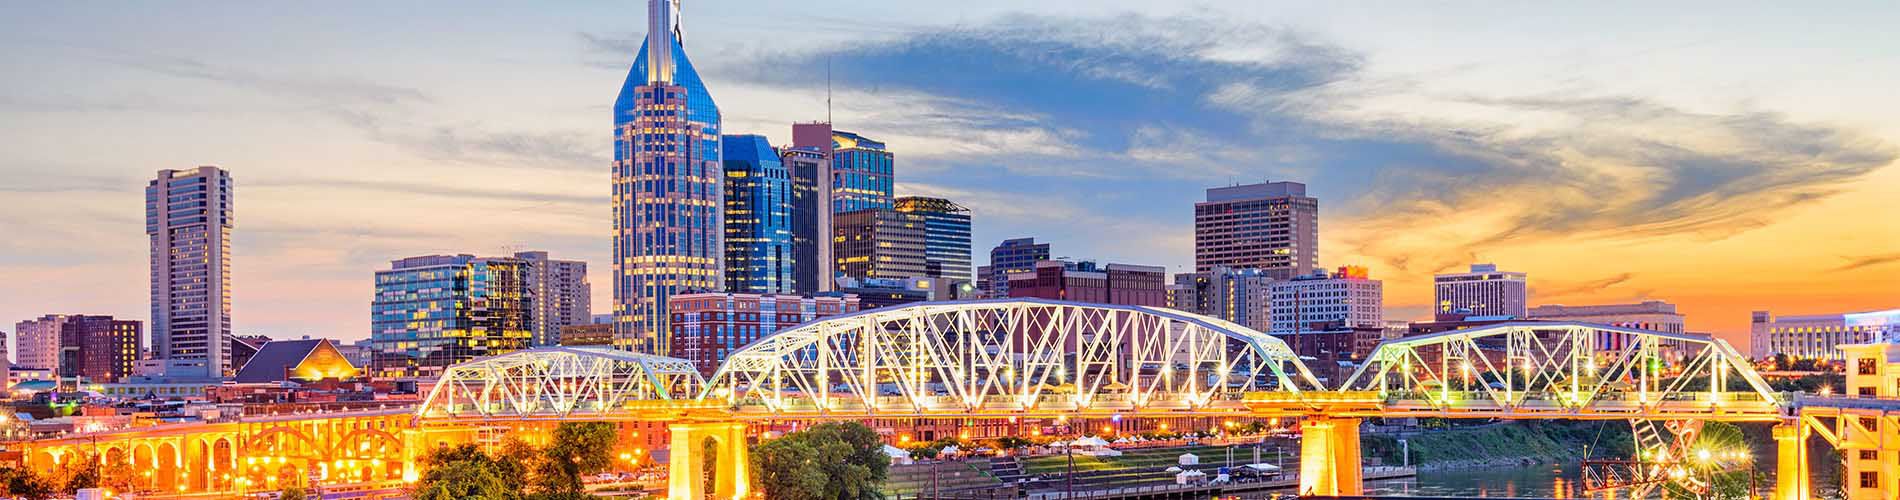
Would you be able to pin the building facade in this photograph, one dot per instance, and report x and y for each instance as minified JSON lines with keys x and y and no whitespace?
{"x":873,"y":293}
{"x":708,"y":326}
{"x":588,"y":334}
{"x":561,"y":293}
{"x":433,"y":311}
{"x":1816,"y":336}
{"x":669,"y":195}
{"x":946,"y":236}
{"x":1485,"y":291}
{"x":760,"y":255}
{"x":862,"y":173}
{"x":1652,"y":315}
{"x":89,"y":347}
{"x":188,"y":216}
{"x":1084,"y":281}
{"x":880,"y":244}
{"x":1345,"y":299}
{"x":36,"y":342}
{"x":1017,"y":255}
{"x":1243,"y":296}
{"x":810,"y":169}
{"x":1272,"y":226}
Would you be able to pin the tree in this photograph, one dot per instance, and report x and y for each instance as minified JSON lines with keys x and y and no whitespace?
{"x":293,"y":493}
{"x":578,"y":448}
{"x":79,"y":474}
{"x":843,"y":460}
{"x":464,"y":472}
{"x":25,"y":484}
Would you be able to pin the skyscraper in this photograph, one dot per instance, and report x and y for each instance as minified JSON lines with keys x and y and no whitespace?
{"x":561,"y":295}
{"x":189,"y":219}
{"x":946,"y":236}
{"x":433,"y":311}
{"x":759,"y":250}
{"x":879,"y":243}
{"x":669,"y":198}
{"x":1485,"y":291}
{"x":1243,"y":296}
{"x":1270,"y":226}
{"x":861,"y":167}
{"x":1018,"y":255}
{"x":98,"y":348}
{"x":810,"y":169}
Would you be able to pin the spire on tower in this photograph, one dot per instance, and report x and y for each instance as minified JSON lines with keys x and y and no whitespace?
{"x":663,"y":31}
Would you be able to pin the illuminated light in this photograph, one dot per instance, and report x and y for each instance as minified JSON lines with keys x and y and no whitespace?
{"x":1702,"y":454}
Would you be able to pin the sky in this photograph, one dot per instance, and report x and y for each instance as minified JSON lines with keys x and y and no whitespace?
{"x":1724,"y":157}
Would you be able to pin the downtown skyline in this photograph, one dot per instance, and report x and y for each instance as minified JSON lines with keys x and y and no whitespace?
{"x":1770,"y":197}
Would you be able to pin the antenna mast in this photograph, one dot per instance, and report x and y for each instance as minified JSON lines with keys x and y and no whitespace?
{"x":827,"y":90}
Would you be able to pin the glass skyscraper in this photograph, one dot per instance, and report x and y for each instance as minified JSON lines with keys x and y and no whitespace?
{"x":946,"y":236}
{"x":759,"y":254}
{"x":811,"y":218}
{"x":433,"y":311}
{"x":861,"y":173}
{"x":668,"y":198}
{"x":189,"y":219}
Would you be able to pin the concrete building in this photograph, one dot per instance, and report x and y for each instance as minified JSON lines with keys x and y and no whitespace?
{"x":873,"y":293}
{"x":1243,"y":296}
{"x":433,"y":311}
{"x":1653,"y":315}
{"x":1873,"y":372}
{"x":589,"y":334}
{"x":189,"y":217}
{"x":1485,"y":291}
{"x":1817,"y":336}
{"x":1272,"y":226}
{"x":36,"y":342}
{"x":99,"y":348}
{"x":810,"y":170}
{"x":1084,"y":281}
{"x":708,"y":326}
{"x":1346,"y":299}
{"x":880,"y":244}
{"x":561,"y":293}
{"x":1016,"y":255}
{"x":669,"y":191}
{"x":946,"y":236}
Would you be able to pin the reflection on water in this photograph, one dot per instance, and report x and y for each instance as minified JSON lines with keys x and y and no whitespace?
{"x":1546,"y":481}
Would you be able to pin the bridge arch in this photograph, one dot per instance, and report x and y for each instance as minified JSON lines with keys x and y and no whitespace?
{"x":560,"y":382}
{"x":1018,"y":356}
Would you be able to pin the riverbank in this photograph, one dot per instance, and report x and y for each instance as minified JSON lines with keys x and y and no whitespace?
{"x":1504,"y":444}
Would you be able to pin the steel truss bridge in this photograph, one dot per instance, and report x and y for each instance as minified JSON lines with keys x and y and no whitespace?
{"x":1040,"y":358}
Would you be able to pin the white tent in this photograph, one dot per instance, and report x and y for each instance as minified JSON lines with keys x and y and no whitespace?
{"x":1091,"y":441}
{"x":1189,"y":459}
{"x":1101,"y":452}
{"x":1059,"y":444}
{"x":1174,"y":469}
{"x":1263,"y":467}
{"x":1186,"y":477}
{"x":898,"y":455}
{"x":950,"y":450}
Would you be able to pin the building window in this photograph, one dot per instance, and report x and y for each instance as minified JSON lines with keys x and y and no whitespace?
{"x":1867,"y":366}
{"x":1869,"y":454}
{"x":1869,"y":479}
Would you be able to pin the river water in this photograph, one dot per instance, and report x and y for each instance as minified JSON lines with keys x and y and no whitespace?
{"x":1523,"y":482}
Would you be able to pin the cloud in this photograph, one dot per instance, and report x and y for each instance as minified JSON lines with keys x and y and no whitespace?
{"x":1564,"y":290}
{"x":1869,"y":261}
{"x":435,"y":189}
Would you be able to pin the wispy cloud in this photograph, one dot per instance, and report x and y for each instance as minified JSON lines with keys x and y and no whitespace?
{"x":1587,"y":287}
{"x":1869,"y":261}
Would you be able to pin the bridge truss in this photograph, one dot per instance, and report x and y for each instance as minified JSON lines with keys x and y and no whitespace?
{"x":565,"y":382}
{"x":1009,"y":357}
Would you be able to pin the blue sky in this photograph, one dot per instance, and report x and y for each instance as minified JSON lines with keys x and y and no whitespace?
{"x":1721,"y":156}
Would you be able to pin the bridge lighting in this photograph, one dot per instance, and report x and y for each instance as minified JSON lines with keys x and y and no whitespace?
{"x":1702,"y":454}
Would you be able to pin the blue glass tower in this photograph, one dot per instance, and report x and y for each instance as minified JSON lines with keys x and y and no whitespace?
{"x":759,"y":256}
{"x":668,"y":197}
{"x":861,"y":171}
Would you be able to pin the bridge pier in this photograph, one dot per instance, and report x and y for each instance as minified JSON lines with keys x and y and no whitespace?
{"x":731,"y":465}
{"x":1791,"y":462}
{"x":1329,"y":457}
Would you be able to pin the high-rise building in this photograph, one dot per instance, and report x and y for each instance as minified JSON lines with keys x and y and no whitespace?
{"x":37,"y":342}
{"x":669,"y":195}
{"x":1270,"y":226}
{"x":1346,"y":299}
{"x":1243,"y":296}
{"x":709,"y":326}
{"x":946,"y":236}
{"x":1120,"y":284}
{"x":812,"y":264}
{"x":760,"y":257}
{"x":189,"y":219}
{"x":1018,"y":255}
{"x":433,"y":311}
{"x":1819,"y":336}
{"x":1652,"y":315}
{"x":879,"y":244}
{"x":1485,"y":291}
{"x":861,"y":171}
{"x":561,"y":293}
{"x":98,"y":348}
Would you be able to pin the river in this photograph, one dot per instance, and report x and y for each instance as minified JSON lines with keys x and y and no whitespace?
{"x":1525,"y":482}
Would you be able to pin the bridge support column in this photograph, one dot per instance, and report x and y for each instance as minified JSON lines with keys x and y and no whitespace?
{"x":1329,"y":457}
{"x":685,"y":479}
{"x":1791,"y":462}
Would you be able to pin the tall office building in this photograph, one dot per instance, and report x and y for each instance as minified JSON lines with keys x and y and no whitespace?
{"x":1270,"y":226}
{"x":861,"y":168}
{"x":760,"y":257}
{"x":433,"y":311}
{"x":98,"y":349}
{"x":1319,"y":302}
{"x":1485,"y":291}
{"x":669,"y":197}
{"x":562,"y":295}
{"x":189,"y":219}
{"x":812,"y":264}
{"x":946,"y":236}
{"x":1243,"y":296}
{"x":1017,"y":255}
{"x":879,"y":244}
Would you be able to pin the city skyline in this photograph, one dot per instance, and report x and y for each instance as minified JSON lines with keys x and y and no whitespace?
{"x":323,"y":212}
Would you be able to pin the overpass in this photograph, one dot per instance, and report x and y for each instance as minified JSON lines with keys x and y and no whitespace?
{"x":1027,"y":358}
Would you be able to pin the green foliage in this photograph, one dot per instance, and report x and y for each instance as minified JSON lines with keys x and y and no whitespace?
{"x":79,"y":474}
{"x":464,"y":472}
{"x":23,"y":483}
{"x":293,"y":493}
{"x":1810,"y":383}
{"x":519,"y":471}
{"x":579,"y":448}
{"x":831,"y":461}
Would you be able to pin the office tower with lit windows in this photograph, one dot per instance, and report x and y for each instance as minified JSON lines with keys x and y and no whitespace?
{"x":760,"y":257}
{"x":669,"y":195}
{"x":98,"y":349}
{"x":1271,"y":226}
{"x":433,"y":311}
{"x":1319,"y":302}
{"x":1243,"y":296}
{"x":711,"y":326}
{"x":879,"y":244}
{"x":1085,"y":281}
{"x":560,"y":292}
{"x":188,"y":217}
{"x":946,"y":236}
{"x":1485,"y":291}
{"x":810,"y":169}
{"x":861,"y":167}
{"x":1017,"y":255}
